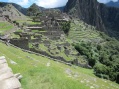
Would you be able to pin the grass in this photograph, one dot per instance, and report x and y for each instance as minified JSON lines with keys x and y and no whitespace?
{"x":43,"y":47}
{"x":5,"y":26}
{"x":27,"y":22}
{"x":14,"y":36}
{"x":36,"y":75}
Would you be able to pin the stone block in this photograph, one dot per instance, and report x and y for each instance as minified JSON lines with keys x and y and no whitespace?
{"x":6,"y":75}
{"x":3,"y":61}
{"x":11,"y":83}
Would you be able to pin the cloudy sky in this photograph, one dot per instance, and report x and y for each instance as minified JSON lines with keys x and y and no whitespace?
{"x":46,"y":3}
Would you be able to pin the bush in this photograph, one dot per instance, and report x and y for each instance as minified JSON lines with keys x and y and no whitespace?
{"x":66,"y":27}
{"x":100,"y":69}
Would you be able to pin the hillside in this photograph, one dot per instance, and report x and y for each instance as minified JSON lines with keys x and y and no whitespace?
{"x":99,"y":49}
{"x":41,"y":72}
{"x":8,"y":16}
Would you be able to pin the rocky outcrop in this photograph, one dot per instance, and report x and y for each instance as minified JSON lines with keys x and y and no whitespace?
{"x":7,"y":79}
{"x":96,"y":14}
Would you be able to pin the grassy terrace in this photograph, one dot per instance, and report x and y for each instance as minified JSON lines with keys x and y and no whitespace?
{"x":80,"y":31}
{"x":5,"y":26}
{"x":27,"y":21}
{"x":42,"y":73}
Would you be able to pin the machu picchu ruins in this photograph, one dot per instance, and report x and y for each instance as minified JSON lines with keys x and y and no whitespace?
{"x":48,"y":38}
{"x":74,"y":46}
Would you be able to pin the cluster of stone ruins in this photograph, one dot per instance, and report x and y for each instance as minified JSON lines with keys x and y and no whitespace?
{"x":49,"y":32}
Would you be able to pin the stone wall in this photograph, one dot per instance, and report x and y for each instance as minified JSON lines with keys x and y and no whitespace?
{"x":22,"y":43}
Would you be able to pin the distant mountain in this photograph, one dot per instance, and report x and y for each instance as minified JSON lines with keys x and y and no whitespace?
{"x":60,"y":8}
{"x":18,"y":7}
{"x":113,"y":4}
{"x":25,"y":11}
{"x":11,"y":13}
{"x":97,"y":14}
{"x":34,"y":9}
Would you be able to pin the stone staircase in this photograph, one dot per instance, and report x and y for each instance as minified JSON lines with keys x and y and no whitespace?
{"x":7,"y":79}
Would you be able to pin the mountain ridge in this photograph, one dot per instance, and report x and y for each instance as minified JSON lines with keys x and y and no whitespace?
{"x":113,"y":4}
{"x":18,"y":7}
{"x":96,"y":14}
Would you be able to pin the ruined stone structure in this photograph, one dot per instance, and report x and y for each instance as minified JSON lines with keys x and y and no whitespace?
{"x":48,"y":38}
{"x":22,"y":43}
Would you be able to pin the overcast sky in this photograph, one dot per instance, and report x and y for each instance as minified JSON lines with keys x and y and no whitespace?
{"x":46,"y":3}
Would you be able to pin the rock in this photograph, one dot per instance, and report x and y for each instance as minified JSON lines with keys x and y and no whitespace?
{"x":82,"y":81}
{"x":3,"y":61}
{"x":91,"y":87}
{"x":4,"y":70}
{"x":11,"y":83}
{"x":29,"y":58}
{"x":2,"y":57}
{"x":6,"y":76}
{"x":3,"y":65}
{"x":13,"y":62}
{"x":18,"y":76}
{"x":48,"y":64}
{"x":68,"y":71}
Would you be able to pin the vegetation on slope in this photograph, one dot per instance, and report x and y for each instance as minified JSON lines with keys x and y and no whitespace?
{"x":65,"y":26}
{"x":100,"y":50}
{"x":33,"y":10}
{"x":42,"y":73}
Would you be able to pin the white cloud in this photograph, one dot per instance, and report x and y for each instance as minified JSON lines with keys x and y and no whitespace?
{"x":51,"y":3}
{"x":42,"y":3}
{"x":20,"y":2}
{"x":106,"y":1}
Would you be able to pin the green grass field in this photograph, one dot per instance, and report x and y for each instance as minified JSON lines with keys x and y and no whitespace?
{"x":42,"y":73}
{"x":27,"y":21}
{"x":5,"y":26}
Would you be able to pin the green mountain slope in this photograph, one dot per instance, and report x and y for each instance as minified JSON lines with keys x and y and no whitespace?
{"x":101,"y":51}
